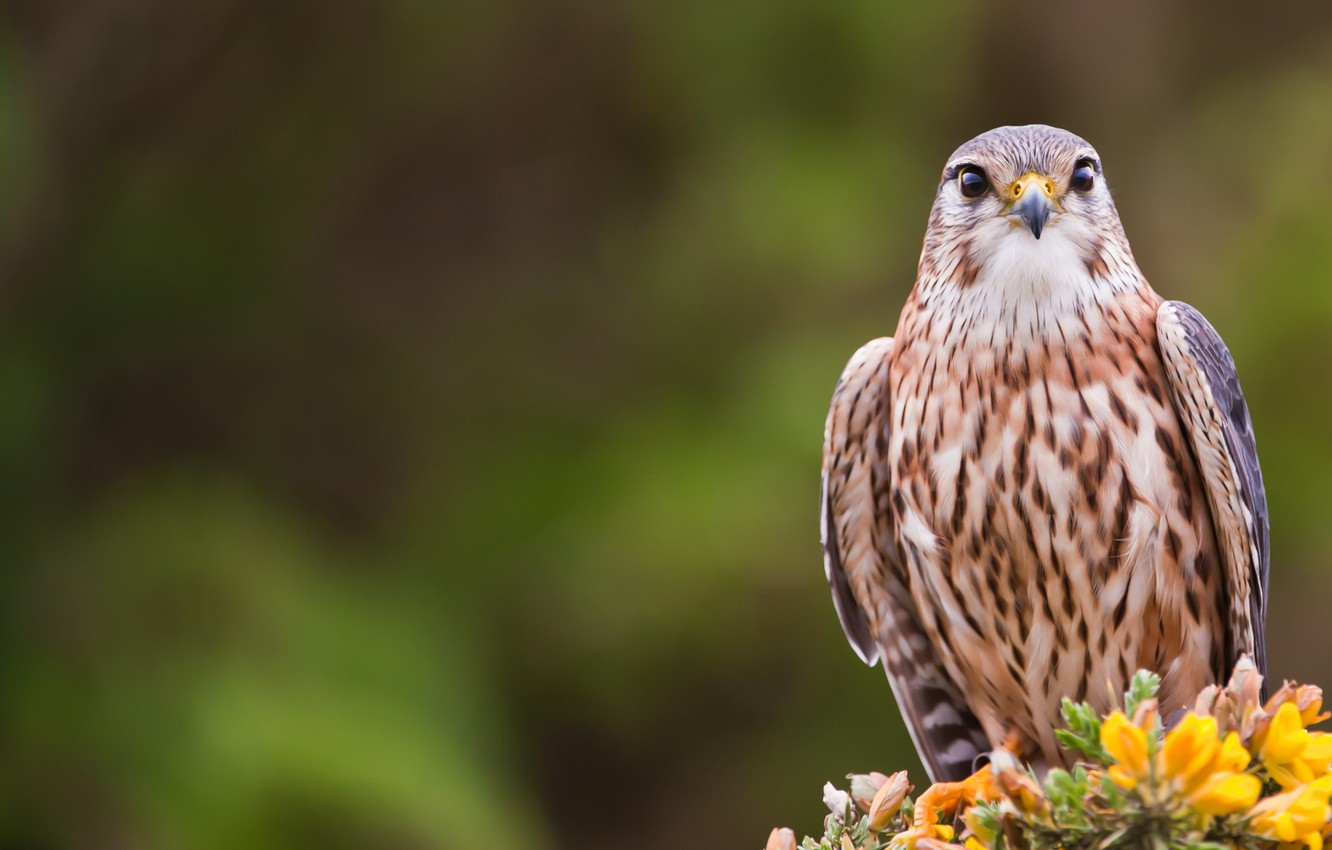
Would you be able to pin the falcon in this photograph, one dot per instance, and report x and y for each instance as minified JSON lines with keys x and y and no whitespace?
{"x":1047,"y":479}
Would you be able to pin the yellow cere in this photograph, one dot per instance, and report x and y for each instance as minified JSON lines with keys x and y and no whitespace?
{"x":1033,"y":181}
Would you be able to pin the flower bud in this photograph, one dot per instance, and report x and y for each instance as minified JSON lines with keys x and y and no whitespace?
{"x":864,"y":786}
{"x":888,"y":801}
{"x":1254,"y":731}
{"x":1246,"y":684}
{"x":781,"y":839}
{"x":1144,"y":714}
{"x":1309,"y":700}
{"x":1229,"y":717}
{"x":836,"y":800}
{"x":1205,"y":704}
{"x":1283,"y":695}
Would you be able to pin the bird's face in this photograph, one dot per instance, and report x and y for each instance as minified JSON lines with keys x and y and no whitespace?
{"x":1023,"y":203}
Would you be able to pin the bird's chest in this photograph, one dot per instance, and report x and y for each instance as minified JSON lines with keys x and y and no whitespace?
{"x":1012,"y":445}
{"x":1035,"y":490}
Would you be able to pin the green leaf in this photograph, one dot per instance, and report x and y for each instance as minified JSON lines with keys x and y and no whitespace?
{"x":987,"y":815}
{"x":1144,"y":686}
{"x":1083,"y":734}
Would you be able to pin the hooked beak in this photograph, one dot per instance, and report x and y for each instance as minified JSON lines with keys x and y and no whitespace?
{"x":1032,"y":201}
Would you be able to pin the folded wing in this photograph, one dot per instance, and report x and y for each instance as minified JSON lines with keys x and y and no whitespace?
{"x":868,"y":580}
{"x":1209,"y":401}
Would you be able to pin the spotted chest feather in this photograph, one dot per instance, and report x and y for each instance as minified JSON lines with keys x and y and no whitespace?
{"x":1054,"y":527}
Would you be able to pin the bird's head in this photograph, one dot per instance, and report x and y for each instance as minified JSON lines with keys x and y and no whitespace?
{"x":1021,"y":201}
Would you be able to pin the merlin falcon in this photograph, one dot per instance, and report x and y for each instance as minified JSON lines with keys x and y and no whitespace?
{"x":1047,"y":479}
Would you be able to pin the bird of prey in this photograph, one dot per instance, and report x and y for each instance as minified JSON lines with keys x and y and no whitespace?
{"x":1047,"y":479}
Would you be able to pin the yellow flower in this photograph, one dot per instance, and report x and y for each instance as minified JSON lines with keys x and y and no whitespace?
{"x":1233,"y":755}
{"x":1227,"y":789}
{"x":1189,"y":751}
{"x":1295,"y":816}
{"x":1193,"y":766}
{"x":1205,"y":771}
{"x":1128,"y":744}
{"x":1225,"y":794}
{"x":1293,"y":755}
{"x":1286,"y":736}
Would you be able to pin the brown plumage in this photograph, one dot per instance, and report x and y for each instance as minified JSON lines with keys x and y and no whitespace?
{"x":1046,"y":479}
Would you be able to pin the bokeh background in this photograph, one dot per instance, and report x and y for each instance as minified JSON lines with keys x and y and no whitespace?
{"x":410,"y":412}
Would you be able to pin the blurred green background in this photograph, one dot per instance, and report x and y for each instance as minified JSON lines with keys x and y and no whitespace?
{"x":410,"y":413}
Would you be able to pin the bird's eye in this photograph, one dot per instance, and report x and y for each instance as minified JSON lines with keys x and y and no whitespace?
{"x":1084,"y":176}
{"x":972,"y":181}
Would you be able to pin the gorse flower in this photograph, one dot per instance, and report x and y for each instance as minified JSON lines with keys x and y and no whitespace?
{"x":1293,"y":755}
{"x":1193,"y":767}
{"x":1297,"y":816}
{"x":888,"y":801}
{"x":864,"y":787}
{"x":1128,"y":744}
{"x":837,"y":801}
{"x":1139,"y":784}
{"x":1205,"y":772}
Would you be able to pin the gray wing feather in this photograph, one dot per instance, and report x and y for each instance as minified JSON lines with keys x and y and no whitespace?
{"x":868,"y":579}
{"x":1209,"y":400}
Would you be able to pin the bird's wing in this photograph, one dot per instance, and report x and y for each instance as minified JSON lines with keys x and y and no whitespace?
{"x":867,"y":576}
{"x":1209,"y":401}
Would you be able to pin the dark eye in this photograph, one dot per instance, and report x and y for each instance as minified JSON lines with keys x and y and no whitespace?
{"x":1084,"y":176}
{"x":972,"y":181}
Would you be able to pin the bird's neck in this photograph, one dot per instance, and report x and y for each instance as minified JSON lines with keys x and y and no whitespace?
{"x":1026,"y":296}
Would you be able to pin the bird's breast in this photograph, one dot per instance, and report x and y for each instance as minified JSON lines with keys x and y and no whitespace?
{"x":1051,"y":516}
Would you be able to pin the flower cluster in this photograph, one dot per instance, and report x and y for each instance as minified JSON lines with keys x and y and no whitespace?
{"x":1234,"y":771}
